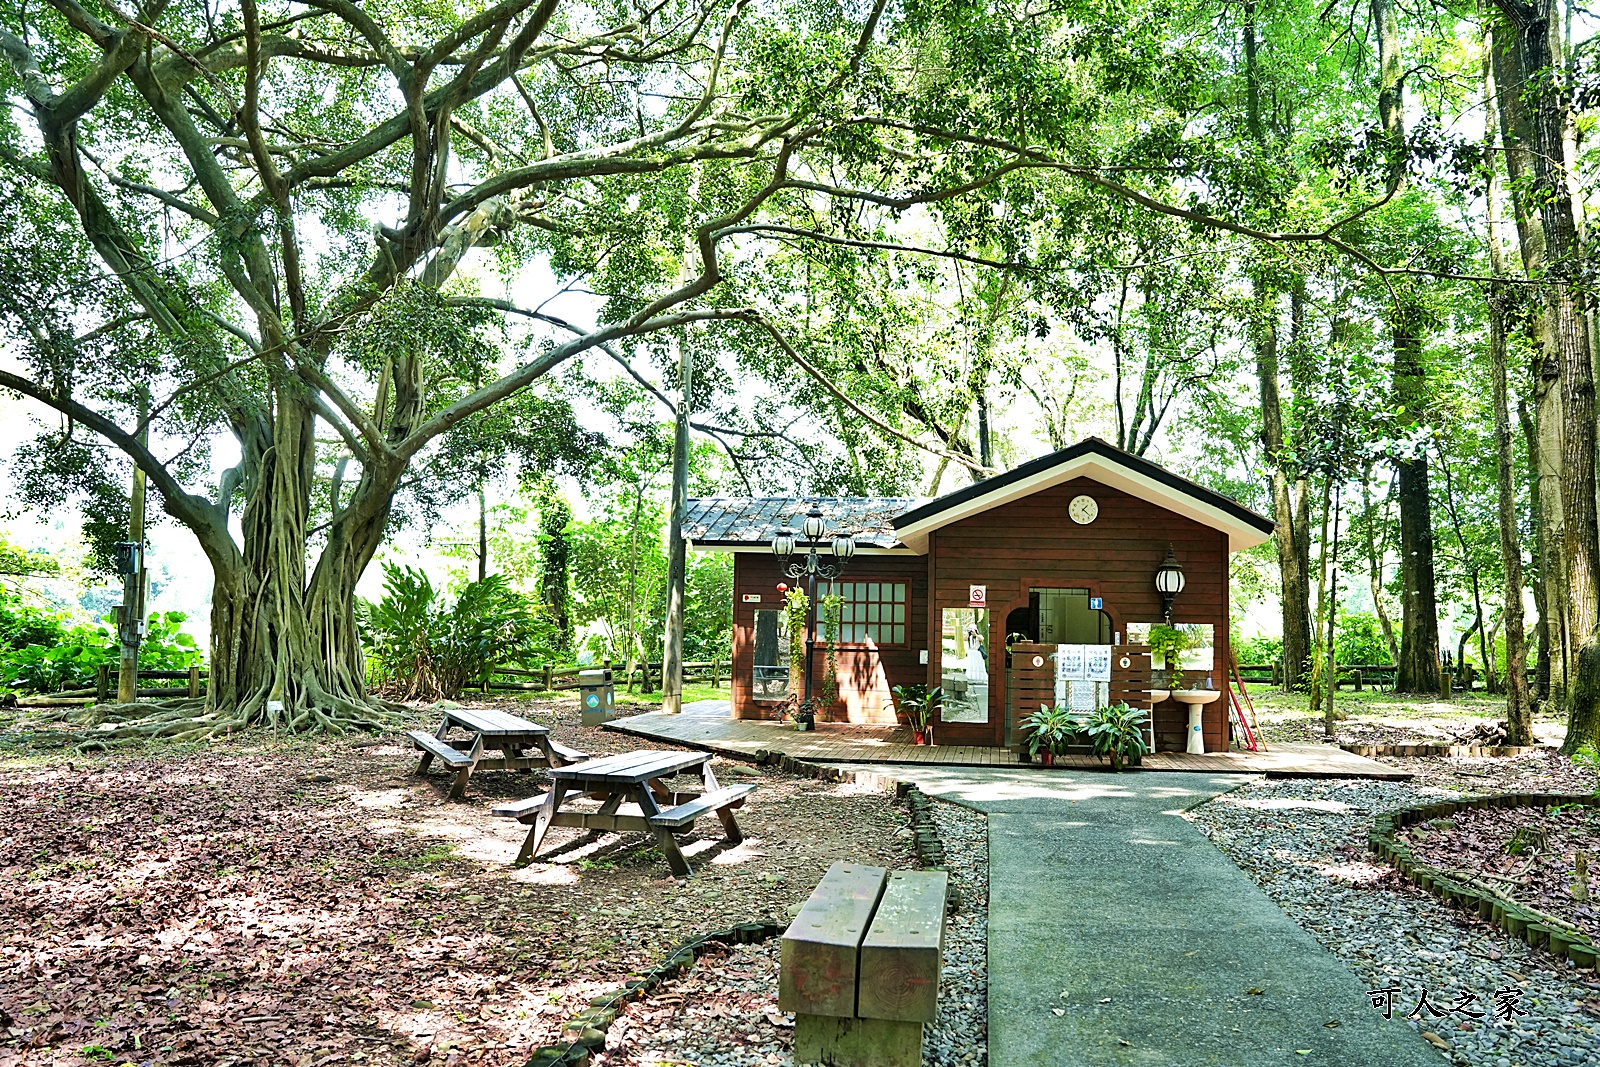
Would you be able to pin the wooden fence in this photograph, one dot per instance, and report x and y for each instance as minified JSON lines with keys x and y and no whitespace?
{"x":105,"y":688}
{"x":1362,"y":675}
{"x":551,"y":678}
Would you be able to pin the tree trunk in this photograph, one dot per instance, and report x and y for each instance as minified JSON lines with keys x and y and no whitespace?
{"x":1544,"y":443}
{"x":1418,"y":668}
{"x":1549,"y":106}
{"x":1541,"y":670}
{"x":1294,"y":576}
{"x":1519,"y":710}
{"x":285,"y":649}
{"x":1375,"y":562}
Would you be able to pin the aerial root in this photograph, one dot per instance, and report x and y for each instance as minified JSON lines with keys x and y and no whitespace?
{"x":99,"y":727}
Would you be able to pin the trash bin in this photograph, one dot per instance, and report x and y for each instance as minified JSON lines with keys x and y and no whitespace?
{"x":597,"y":697}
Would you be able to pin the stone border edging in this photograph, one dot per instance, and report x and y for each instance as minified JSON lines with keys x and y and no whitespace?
{"x":1506,"y":915}
{"x":592,"y":1022}
{"x":1401,"y":751}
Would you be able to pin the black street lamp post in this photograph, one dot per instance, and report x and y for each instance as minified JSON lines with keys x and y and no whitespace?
{"x":812,"y":538}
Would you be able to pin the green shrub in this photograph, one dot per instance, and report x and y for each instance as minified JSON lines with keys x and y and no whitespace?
{"x":71,"y":658}
{"x":1258,"y":649}
{"x":1358,"y":638}
{"x":421,"y":647}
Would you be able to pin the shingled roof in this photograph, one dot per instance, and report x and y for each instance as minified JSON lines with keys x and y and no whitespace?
{"x":731,"y":522}
{"x":904,"y":523}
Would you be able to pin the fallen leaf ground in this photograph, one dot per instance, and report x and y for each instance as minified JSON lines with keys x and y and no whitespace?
{"x":300,"y":902}
{"x":1544,"y":876}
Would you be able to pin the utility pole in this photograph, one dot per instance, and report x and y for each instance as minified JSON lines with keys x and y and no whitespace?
{"x":130,"y":620}
{"x":677,"y":550}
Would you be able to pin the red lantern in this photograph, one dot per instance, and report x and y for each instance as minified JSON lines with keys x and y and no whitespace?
{"x":782,"y":588}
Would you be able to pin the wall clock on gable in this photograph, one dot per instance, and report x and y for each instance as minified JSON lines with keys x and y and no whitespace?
{"x":1083,"y":510}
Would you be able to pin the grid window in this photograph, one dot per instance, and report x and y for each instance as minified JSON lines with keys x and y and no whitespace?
{"x":872,"y":613}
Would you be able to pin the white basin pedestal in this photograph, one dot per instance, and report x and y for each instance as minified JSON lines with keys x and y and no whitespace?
{"x":1196,"y":699}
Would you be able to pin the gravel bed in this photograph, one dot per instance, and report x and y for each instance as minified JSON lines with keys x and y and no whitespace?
{"x":1304,"y":843}
{"x":724,"y":1012}
{"x":961,"y":1034}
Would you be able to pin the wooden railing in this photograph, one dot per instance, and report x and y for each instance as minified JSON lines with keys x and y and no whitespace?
{"x":1357,"y":675}
{"x":551,"y":678}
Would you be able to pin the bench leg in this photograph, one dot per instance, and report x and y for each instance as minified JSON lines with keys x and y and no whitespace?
{"x":730,"y":827}
{"x":541,"y":825}
{"x":459,"y":788}
{"x":669,"y":848}
{"x":867,"y":1042}
{"x":425,"y":762}
{"x":646,"y":799}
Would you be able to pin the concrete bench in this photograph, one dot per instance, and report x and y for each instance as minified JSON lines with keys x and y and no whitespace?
{"x":860,"y":966}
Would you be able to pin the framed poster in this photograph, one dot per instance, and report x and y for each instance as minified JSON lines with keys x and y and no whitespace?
{"x":1097,"y":663}
{"x":1082,"y":695}
{"x":1069,"y":662}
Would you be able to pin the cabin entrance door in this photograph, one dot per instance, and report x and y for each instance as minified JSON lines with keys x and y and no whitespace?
{"x":1053,"y":617}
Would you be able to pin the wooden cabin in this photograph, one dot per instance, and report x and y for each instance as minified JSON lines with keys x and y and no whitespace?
{"x":1059,"y":554}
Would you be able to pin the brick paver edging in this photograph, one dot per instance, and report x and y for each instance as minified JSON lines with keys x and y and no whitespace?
{"x":1517,"y":919}
{"x":1400,"y":751}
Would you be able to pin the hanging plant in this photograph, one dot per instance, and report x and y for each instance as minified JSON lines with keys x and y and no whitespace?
{"x":831,"y":607}
{"x":797,"y":604}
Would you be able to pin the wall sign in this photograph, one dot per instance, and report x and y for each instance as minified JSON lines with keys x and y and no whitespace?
{"x":1038,"y":661}
{"x":752,"y":598}
{"x":1096,"y":603}
{"x":977,"y":596}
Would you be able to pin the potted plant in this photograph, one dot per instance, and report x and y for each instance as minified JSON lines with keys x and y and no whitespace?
{"x":1116,"y":734}
{"x":916,"y":703}
{"x":805,"y":715}
{"x":1048,"y":732}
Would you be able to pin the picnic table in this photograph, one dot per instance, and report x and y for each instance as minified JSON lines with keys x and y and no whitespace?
{"x":488,"y":729}
{"x":634,"y":797}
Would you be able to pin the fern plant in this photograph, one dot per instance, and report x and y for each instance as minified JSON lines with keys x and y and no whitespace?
{"x":421,"y":646}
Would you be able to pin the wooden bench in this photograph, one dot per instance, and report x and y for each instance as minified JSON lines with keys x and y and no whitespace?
{"x":860,"y":966}
{"x":521,"y":810}
{"x":440,"y":750}
{"x":563,"y":753}
{"x":633,"y":798}
{"x":721,"y":801}
{"x":523,"y":745}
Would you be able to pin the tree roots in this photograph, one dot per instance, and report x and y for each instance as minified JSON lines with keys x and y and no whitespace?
{"x":316,"y":711}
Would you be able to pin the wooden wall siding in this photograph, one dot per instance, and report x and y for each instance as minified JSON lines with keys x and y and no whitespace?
{"x":867,"y":676}
{"x":1131,"y":684}
{"x":1032,"y":543}
{"x":1031,"y":686}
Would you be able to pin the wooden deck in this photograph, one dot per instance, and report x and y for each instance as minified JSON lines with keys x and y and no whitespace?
{"x":709,"y":729}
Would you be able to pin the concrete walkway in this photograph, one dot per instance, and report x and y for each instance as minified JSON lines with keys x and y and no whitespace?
{"x":1106,"y":906}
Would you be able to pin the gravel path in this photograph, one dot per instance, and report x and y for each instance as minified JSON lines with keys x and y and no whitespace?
{"x":960,"y":1037}
{"x":1304,"y":843}
{"x":724,"y":1012}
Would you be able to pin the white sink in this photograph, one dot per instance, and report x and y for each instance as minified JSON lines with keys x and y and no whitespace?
{"x":1196,"y":699}
{"x":1158,"y":695}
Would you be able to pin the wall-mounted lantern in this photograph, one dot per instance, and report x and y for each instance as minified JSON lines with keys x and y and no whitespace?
{"x":1169,"y":582}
